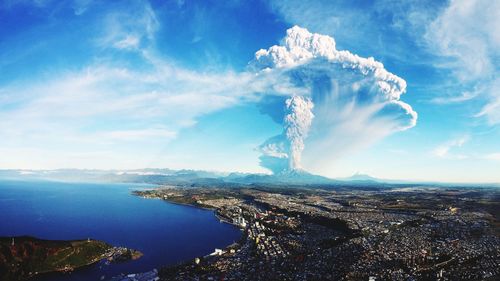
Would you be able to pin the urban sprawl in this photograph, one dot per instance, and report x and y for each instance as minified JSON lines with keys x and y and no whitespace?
{"x":315,"y":234}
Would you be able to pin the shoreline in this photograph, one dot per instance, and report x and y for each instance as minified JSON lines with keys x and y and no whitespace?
{"x":202,"y":207}
{"x":196,"y":206}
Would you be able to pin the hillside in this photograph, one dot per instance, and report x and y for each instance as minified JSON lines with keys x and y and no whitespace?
{"x":24,"y":257}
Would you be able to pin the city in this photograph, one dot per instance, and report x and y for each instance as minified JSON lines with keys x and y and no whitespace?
{"x":315,"y":234}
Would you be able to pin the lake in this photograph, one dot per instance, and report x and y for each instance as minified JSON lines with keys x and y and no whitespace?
{"x":166,"y":233}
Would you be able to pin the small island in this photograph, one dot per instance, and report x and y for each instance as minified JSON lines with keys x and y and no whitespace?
{"x":24,"y":257}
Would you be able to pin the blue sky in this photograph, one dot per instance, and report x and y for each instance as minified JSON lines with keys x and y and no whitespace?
{"x":178,"y":84}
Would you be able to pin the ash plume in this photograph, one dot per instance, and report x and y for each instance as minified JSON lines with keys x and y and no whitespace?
{"x":356,"y":101}
{"x":297,"y":122}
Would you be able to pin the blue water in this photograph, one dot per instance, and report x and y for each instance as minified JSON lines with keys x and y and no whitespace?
{"x":166,"y":233}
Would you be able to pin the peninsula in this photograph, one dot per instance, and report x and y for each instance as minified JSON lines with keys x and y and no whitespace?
{"x":24,"y":257}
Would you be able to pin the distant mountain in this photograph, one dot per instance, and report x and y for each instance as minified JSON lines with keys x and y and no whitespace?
{"x":361,"y":178}
{"x":201,"y":178}
{"x":285,"y":177}
{"x":154,"y":176}
{"x":168,"y":176}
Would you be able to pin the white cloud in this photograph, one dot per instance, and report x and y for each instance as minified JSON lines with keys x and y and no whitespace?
{"x":444,"y":150}
{"x":327,"y":17}
{"x":129,"y":42}
{"x":384,"y":28}
{"x":111,"y":106}
{"x":137,"y":135}
{"x":81,"y":6}
{"x":467,"y":33}
{"x":464,"y":96}
{"x":128,"y":29}
{"x":493,"y":156}
{"x":492,"y":109}
{"x":165,"y":94}
{"x":35,"y":3}
{"x":106,"y":108}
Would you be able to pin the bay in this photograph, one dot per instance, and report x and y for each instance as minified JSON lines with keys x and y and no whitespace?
{"x":166,"y":233}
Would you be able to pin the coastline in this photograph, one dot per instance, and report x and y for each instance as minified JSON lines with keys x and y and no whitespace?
{"x":202,"y":207}
{"x":197,"y":206}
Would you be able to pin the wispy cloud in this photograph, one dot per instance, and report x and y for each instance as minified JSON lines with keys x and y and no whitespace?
{"x":463,"y":97}
{"x":131,"y":28}
{"x":137,"y":135}
{"x":467,"y":33}
{"x":492,"y":109}
{"x":81,"y":6}
{"x":129,"y":42}
{"x":375,"y":26}
{"x":447,"y":150}
{"x":35,"y":3}
{"x":175,"y":95}
{"x":110,"y":104}
{"x":493,"y":156}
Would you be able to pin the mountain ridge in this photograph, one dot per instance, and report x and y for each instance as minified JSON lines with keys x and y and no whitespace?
{"x":190,"y":177}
